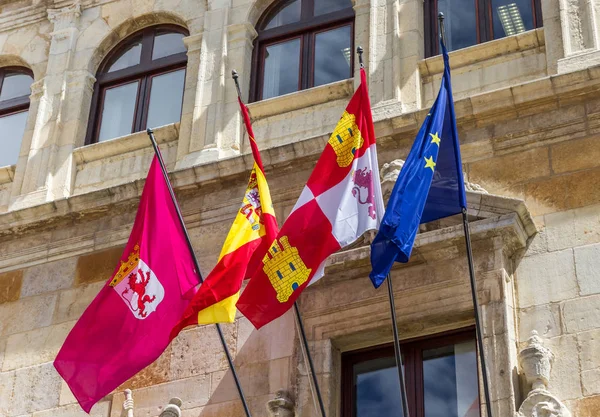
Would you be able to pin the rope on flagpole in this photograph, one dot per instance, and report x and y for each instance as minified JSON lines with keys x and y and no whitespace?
{"x":465,"y":219}
{"x":197,"y":266}
{"x":235,"y":76}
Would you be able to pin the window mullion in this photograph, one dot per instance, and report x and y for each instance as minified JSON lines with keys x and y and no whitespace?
{"x":307,"y":52}
{"x":483,"y":21}
{"x":140,"y":106}
{"x":147,"y":45}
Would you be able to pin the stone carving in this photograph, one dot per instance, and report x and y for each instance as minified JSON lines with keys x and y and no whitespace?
{"x":173,"y":409}
{"x":391,"y":170}
{"x":128,"y":404}
{"x":281,"y":405}
{"x":536,"y":363}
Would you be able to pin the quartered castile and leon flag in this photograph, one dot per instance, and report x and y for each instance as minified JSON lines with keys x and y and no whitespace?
{"x":430,"y":185}
{"x":253,"y":230}
{"x":341,"y":200}
{"x":127,"y":325}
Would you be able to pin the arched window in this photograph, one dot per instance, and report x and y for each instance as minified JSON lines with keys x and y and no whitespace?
{"x":302,"y":44}
{"x":140,"y":84}
{"x":15,"y":89}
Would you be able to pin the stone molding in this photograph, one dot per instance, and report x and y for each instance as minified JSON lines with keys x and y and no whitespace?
{"x":65,"y":18}
{"x":118,"y":147}
{"x":483,"y":52}
{"x":7,"y":174}
{"x":536,"y":363}
{"x":301,"y":99}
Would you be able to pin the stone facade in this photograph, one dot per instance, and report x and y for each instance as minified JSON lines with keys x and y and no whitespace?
{"x":528,"y":114}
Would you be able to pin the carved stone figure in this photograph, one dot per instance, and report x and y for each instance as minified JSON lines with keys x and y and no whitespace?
{"x":281,"y":405}
{"x":536,"y":363}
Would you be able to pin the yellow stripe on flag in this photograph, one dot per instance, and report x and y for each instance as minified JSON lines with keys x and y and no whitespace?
{"x":221,"y":312}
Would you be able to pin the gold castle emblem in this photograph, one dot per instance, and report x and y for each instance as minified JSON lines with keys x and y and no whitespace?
{"x":346,"y":139}
{"x":127,"y":267}
{"x":285,"y":269}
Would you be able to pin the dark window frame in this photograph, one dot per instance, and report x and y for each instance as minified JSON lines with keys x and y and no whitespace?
{"x":413,"y":367}
{"x":142,"y":72}
{"x":306,"y":29}
{"x":484,"y":23}
{"x":16,"y":104}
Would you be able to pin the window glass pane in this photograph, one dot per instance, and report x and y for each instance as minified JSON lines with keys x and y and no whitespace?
{"x":332,"y":55}
{"x":12,"y":127}
{"x":450,"y":381}
{"x":377,"y":388}
{"x":168,"y":44}
{"x":118,"y":110}
{"x":165,"y":98}
{"x":15,"y":85}
{"x":282,"y":65}
{"x":289,"y":14}
{"x":127,"y":59}
{"x":328,"y":6}
{"x":460,"y":23}
{"x":511,"y":17}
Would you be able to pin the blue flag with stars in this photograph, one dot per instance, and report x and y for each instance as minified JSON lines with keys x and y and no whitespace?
{"x":430,"y":185}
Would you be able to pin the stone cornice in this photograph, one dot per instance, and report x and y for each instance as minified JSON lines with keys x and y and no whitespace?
{"x":388,"y":122}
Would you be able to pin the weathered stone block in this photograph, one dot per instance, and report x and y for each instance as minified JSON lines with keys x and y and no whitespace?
{"x":97,"y":266}
{"x":10,"y":286}
{"x":35,"y":388}
{"x":587,"y":225}
{"x":35,"y":347}
{"x":587,"y":406}
{"x":513,"y":168}
{"x":587,"y":266}
{"x":565,"y":379}
{"x":591,"y":382}
{"x":279,"y":374}
{"x":48,"y":277}
{"x":582,"y":314}
{"x":545,"y":319}
{"x":73,"y":302}
{"x":546,"y":278}
{"x":155,"y":373}
{"x":575,"y":155}
{"x":560,"y":230}
{"x":26,"y":314}
{"x":588,"y":344}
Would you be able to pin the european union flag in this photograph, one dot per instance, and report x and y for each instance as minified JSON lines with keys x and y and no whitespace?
{"x":430,"y":185}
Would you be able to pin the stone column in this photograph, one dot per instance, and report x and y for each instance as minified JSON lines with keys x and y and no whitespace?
{"x":62,"y":113}
{"x":208,"y":141}
{"x":580,"y":27}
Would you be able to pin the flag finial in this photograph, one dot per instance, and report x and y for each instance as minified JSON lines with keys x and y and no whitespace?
{"x":235,"y":77}
{"x":360,"y":51}
{"x":442,"y":30}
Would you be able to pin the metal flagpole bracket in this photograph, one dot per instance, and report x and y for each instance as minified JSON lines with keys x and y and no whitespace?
{"x":359,"y":51}
{"x":197,"y":266}
{"x":442,"y":29}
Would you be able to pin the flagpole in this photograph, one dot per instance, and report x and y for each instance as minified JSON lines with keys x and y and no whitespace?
{"x":311,"y":365}
{"x":479,"y":329}
{"x":197,"y":266}
{"x":397,"y":350}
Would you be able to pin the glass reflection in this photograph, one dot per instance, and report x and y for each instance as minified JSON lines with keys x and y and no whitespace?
{"x":332,"y":55}
{"x":168,"y":44}
{"x":118,"y":110}
{"x":511,"y":17}
{"x":328,"y":6}
{"x":450,"y":381}
{"x":127,"y":59}
{"x":12,"y":127}
{"x":377,"y":388}
{"x":15,"y":85}
{"x":282,"y":66}
{"x":166,"y":98}
{"x":460,"y":23}
{"x":289,"y":14}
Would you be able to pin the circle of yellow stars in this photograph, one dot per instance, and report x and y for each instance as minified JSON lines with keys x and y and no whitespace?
{"x":429,"y":162}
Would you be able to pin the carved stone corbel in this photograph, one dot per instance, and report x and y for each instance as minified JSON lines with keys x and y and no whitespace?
{"x":281,"y":405}
{"x":536,"y":363}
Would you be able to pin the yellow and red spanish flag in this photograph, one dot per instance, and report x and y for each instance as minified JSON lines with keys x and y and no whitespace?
{"x":253,"y":230}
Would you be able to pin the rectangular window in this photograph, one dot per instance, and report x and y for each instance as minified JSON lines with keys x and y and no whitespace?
{"x":469,"y":22}
{"x":441,"y":379}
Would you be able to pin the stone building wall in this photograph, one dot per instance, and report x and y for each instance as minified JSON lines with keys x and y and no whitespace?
{"x":527,"y":109}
